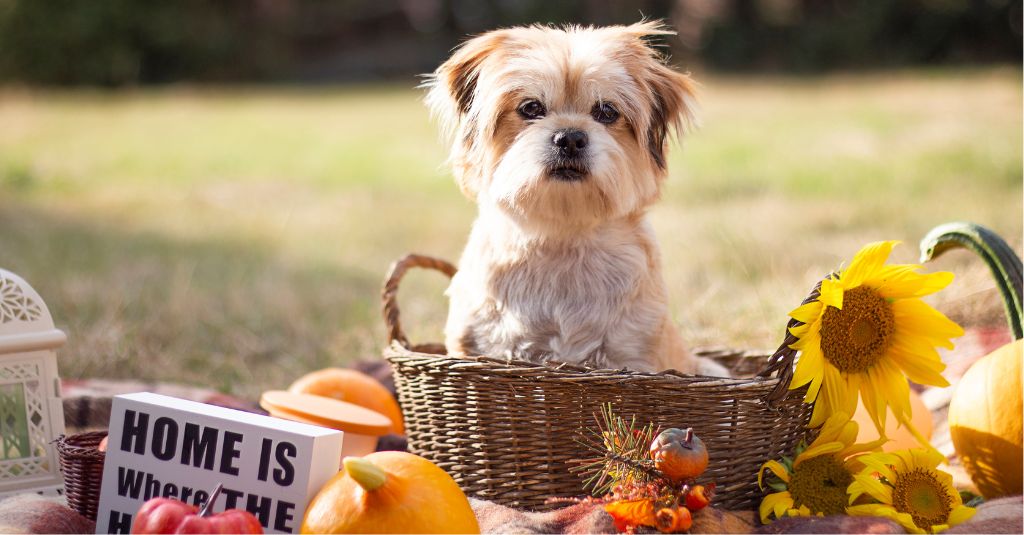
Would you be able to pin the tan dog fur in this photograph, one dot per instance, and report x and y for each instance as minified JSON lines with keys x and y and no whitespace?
{"x":563,"y":270}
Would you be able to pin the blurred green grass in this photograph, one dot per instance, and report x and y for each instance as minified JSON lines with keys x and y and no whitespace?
{"x":237,"y":238}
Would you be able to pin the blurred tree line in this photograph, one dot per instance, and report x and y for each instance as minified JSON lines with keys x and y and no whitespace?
{"x":127,"y":42}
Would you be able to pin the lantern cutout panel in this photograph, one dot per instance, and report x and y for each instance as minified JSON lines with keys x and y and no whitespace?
{"x":31,"y":415}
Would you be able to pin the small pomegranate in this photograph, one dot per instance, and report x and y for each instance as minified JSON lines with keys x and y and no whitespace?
{"x":675,"y":519}
{"x":679,"y":454}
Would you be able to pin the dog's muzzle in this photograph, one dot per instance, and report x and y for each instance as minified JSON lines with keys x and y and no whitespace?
{"x":568,"y":155}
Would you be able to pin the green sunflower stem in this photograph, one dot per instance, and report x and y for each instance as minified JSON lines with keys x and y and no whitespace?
{"x":1001,"y":259}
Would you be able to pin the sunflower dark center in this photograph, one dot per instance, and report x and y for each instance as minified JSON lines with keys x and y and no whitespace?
{"x":855,"y":337}
{"x":820,"y":484}
{"x":921,"y":495}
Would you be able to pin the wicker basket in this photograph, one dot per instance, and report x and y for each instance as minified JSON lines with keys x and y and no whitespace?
{"x":82,"y":464}
{"x":508,"y":431}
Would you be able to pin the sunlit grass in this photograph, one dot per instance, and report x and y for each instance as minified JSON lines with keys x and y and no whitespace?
{"x":237,"y":237}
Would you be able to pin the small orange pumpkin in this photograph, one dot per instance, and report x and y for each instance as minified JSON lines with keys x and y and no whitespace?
{"x":679,"y":454}
{"x":354,"y":387}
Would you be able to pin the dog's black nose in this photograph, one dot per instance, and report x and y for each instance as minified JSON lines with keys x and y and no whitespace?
{"x":570,"y":142}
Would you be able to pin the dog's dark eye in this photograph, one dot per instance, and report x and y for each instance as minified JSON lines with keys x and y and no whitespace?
{"x":532,"y":109}
{"x":604,"y":113}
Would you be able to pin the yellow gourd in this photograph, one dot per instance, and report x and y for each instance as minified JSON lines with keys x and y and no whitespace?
{"x":390,"y":492}
{"x":985,"y":421}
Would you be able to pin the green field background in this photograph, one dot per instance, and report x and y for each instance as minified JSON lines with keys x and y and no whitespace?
{"x":237,"y":238}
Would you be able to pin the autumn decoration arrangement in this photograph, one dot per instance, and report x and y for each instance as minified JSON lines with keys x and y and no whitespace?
{"x":860,"y":337}
{"x":644,"y":476}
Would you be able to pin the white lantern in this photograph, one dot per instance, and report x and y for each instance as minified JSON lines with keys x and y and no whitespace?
{"x":31,"y":415}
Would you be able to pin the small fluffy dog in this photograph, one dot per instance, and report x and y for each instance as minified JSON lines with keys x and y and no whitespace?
{"x":559,"y":135}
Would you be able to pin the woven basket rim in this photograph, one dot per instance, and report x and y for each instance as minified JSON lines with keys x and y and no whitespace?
{"x":561,"y":370}
{"x":81,"y":445}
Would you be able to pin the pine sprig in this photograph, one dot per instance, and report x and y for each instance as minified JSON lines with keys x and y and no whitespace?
{"x":622,"y":453}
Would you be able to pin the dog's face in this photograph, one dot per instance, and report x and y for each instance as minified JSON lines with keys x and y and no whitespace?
{"x":563,"y":127}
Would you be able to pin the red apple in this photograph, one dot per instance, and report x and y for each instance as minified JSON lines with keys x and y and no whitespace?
{"x":164,"y":515}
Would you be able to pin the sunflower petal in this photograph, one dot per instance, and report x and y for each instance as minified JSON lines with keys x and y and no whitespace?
{"x":831,"y":293}
{"x":895,"y":391}
{"x":868,"y":484}
{"x":776,"y":468}
{"x":880,"y":463}
{"x":771,"y":502}
{"x":832,"y":428}
{"x":917,"y":318}
{"x":922,"y":370}
{"x":807,"y":313}
{"x":848,"y":434}
{"x":834,"y":390}
{"x":810,"y":362}
{"x":866,"y":263}
{"x":857,"y":449}
{"x":800,"y":330}
{"x":960,"y":514}
{"x":926,"y":284}
{"x":814,"y":451}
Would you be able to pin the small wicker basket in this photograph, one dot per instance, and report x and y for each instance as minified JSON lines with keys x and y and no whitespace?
{"x":509,"y":431}
{"x":82,"y":464}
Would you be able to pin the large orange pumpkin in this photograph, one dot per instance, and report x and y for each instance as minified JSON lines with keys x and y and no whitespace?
{"x":390,"y":492}
{"x":354,"y":387}
{"x":985,"y":422}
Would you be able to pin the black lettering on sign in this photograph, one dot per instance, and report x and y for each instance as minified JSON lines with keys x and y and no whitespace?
{"x":199,"y":449}
{"x":229,"y":452}
{"x":170,"y":490}
{"x":133,"y":435}
{"x":231,"y":497}
{"x":152,"y":487}
{"x":286,"y":473}
{"x":282,"y":521}
{"x":129,"y":483}
{"x":119,"y":522}
{"x":200,"y":498}
{"x":260,"y":507}
{"x":165,"y":438}
{"x":261,"y":474}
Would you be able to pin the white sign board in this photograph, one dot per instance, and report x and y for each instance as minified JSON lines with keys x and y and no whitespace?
{"x":164,"y":446}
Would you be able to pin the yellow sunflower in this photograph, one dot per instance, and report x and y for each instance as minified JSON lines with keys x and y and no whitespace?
{"x":910,"y":489}
{"x":866,"y":331}
{"x":816,"y":481}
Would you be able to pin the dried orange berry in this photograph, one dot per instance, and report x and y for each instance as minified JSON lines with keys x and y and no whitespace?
{"x":673,"y":519}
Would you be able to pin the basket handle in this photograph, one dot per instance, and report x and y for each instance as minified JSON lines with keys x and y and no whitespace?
{"x":389,"y":295}
{"x":782,"y":362}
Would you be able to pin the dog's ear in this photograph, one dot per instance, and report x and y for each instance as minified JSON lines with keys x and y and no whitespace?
{"x":453,"y":85}
{"x":672,"y":95}
{"x":452,"y":92}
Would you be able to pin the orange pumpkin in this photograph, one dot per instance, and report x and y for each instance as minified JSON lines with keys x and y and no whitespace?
{"x":679,"y":454}
{"x":900,"y":437}
{"x":354,"y":387}
{"x":985,"y":422}
{"x":390,"y":492}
